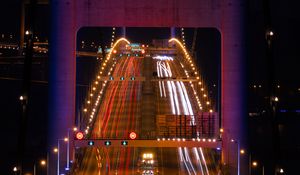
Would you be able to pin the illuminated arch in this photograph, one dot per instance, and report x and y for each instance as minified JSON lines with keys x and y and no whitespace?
{"x":181,"y":46}
{"x":115,"y":45}
{"x":193,"y":68}
{"x":187,"y":56}
{"x":96,"y":94}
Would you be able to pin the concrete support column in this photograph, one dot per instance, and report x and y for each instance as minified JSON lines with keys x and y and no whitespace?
{"x":124,"y":31}
{"x":233,"y":103}
{"x":173,"y":32}
{"x":62,"y":78}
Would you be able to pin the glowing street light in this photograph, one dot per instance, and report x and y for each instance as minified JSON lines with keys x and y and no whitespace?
{"x":43,"y":162}
{"x":239,"y":152}
{"x":281,"y":171}
{"x":74,"y":129}
{"x":254,"y":164}
{"x":57,"y":150}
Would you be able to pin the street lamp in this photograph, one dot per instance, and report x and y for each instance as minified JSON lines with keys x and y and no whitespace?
{"x":239,"y":152}
{"x":254,"y":164}
{"x":281,"y":171}
{"x":15,"y":169}
{"x":68,"y":147}
{"x":57,"y":150}
{"x":42,"y":163}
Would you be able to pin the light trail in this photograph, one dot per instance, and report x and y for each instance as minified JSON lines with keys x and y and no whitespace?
{"x":176,"y":98}
{"x":186,"y":153}
{"x":164,"y":89}
{"x":171,"y":97}
{"x":159,"y":83}
{"x":183,"y":102}
{"x":198,"y":159}
{"x":203,"y":158}
{"x":187,"y":99}
{"x":187,"y":110}
{"x":162,"y":70}
{"x":182,"y":157}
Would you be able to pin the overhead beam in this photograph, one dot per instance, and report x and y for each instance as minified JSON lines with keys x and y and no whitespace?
{"x":149,"y":143}
{"x":124,"y":78}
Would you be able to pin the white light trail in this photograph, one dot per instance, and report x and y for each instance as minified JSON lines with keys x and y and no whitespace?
{"x":203,"y":158}
{"x":198,"y":159}
{"x":182,"y":157}
{"x":187,"y":99}
{"x":158,"y":68}
{"x":158,"y":74}
{"x":183,"y":102}
{"x":164,"y":90}
{"x":171,"y":97}
{"x":189,"y":159}
{"x":160,"y":90}
{"x":175,"y":97}
{"x":159,"y":57}
{"x":169,"y":70}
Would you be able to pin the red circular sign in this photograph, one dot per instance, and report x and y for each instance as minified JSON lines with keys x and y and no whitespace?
{"x":79,"y":135}
{"x":132,"y":135}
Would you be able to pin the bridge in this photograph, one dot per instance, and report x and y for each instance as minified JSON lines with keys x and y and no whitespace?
{"x":148,"y":106}
{"x":171,"y":117}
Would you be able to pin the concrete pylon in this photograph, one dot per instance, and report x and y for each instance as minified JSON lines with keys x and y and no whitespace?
{"x":62,"y":66}
{"x":173,"y":32}
{"x":233,"y":77}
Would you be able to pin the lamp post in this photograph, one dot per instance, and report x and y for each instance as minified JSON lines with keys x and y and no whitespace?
{"x":255,"y":164}
{"x":57,"y":150}
{"x":68,"y":147}
{"x":239,"y":152}
{"x":42,"y":163}
{"x":15,"y":169}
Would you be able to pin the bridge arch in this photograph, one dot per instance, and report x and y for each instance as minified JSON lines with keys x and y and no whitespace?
{"x":226,"y":15}
{"x":201,"y":86}
{"x":92,"y":101}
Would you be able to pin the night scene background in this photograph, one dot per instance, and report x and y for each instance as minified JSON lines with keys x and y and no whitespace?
{"x":284,"y":18}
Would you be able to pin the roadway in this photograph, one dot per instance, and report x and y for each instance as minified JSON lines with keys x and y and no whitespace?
{"x":133,"y":106}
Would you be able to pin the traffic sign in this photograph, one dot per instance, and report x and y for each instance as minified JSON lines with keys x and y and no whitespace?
{"x":79,"y":135}
{"x":132,"y":135}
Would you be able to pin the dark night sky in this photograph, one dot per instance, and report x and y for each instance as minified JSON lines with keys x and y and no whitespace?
{"x":286,"y":23}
